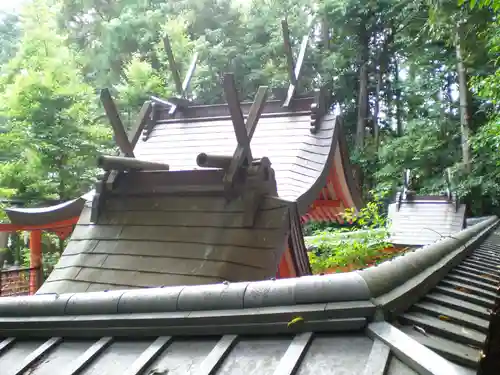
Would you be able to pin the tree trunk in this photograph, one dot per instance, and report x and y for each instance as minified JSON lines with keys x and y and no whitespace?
{"x":363,"y":89}
{"x":325,"y":31}
{"x":399,"y":123}
{"x":383,"y":62}
{"x":376,"y":107}
{"x":449,"y":84}
{"x":464,"y":98}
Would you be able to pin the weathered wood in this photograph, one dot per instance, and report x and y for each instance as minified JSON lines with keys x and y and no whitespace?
{"x":318,"y":109}
{"x":173,"y":65}
{"x":252,"y":203}
{"x":273,"y":108}
{"x":108,"y":180}
{"x":180,"y":102}
{"x":98,"y":199}
{"x":164,"y":182}
{"x":239,"y":237}
{"x":142,"y":119}
{"x":253,"y":257}
{"x":176,"y":265}
{"x":288,"y":52}
{"x":140,"y":279}
{"x":120,"y":163}
{"x":163,"y":102}
{"x":244,"y":131}
{"x":269,"y":219}
{"x":189,"y":74}
{"x":259,"y":182}
{"x":219,"y":161}
{"x":152,"y":120}
{"x":133,"y":137}
{"x":213,"y":161}
{"x":256,"y":111}
{"x":116,"y":123}
{"x":297,"y":70}
{"x":171,"y":206}
{"x":236,"y":115}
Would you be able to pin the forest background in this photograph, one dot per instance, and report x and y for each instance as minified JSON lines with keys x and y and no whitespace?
{"x":417,"y":82}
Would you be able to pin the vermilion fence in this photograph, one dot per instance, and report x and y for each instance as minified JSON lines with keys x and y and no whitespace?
{"x":16,"y":281}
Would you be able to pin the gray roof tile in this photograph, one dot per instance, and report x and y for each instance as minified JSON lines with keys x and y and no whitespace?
{"x":246,"y":328}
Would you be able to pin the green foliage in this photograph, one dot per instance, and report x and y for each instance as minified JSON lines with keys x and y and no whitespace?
{"x":10,"y":33}
{"x":51,"y":253}
{"x":485,"y":176}
{"x":351,"y":246}
{"x":425,"y":150}
{"x":52,"y":138}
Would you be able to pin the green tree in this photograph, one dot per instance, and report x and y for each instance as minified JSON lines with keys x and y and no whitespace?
{"x":52,"y":138}
{"x":9,"y":36}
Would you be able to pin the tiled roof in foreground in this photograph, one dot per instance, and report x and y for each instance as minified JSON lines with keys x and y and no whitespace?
{"x":332,"y":324}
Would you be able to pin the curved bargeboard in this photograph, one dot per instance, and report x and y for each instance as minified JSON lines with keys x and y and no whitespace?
{"x":152,"y":246}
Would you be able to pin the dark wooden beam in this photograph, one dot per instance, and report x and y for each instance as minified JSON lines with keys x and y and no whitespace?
{"x":244,"y":131}
{"x":133,"y":137}
{"x":172,"y":64}
{"x":189,"y":74}
{"x":297,"y":71}
{"x":108,"y":180}
{"x":256,"y":110}
{"x":140,"y":123}
{"x":120,"y":163}
{"x":151,"y":120}
{"x":116,"y":123}
{"x":196,"y":112}
{"x":236,"y":115}
{"x":288,"y":51}
{"x":319,"y":108}
{"x":163,"y":102}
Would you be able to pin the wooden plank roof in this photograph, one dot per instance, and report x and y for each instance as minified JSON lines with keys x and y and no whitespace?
{"x":153,"y":241}
{"x":302,"y":160}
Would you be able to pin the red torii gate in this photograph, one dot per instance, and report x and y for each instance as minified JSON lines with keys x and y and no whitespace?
{"x":59,"y":219}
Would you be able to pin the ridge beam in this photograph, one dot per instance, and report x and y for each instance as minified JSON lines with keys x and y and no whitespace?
{"x":116,"y":123}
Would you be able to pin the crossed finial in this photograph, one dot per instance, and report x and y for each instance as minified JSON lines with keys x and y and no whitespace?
{"x":294,"y":67}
